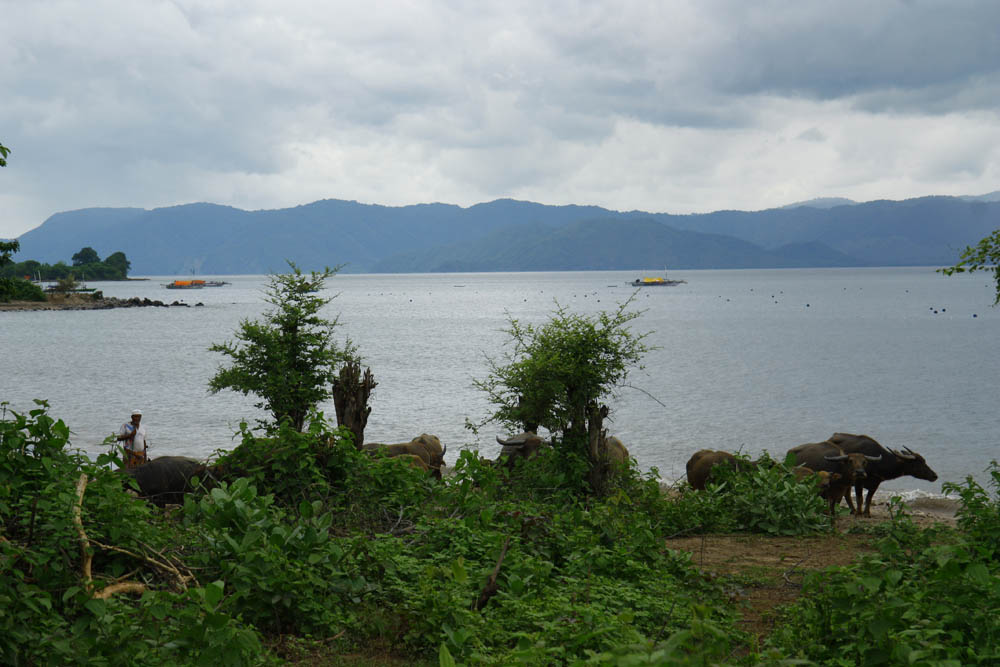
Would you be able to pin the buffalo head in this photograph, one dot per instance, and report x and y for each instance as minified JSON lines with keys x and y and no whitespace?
{"x":853,"y":464}
{"x":913,"y":464}
{"x":521,"y":446}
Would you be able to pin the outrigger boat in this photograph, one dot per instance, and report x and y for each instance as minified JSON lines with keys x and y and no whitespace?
{"x":656,"y":281}
{"x":185,"y":284}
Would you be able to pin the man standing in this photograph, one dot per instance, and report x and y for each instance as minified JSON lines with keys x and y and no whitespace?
{"x":132,"y":435}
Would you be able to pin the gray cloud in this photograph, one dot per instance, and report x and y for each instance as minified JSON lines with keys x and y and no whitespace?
{"x":662,"y":106}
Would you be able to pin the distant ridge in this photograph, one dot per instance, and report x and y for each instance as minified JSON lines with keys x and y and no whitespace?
{"x":512,"y":235}
{"x":823,"y":202}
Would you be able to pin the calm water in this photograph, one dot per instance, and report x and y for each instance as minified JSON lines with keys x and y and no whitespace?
{"x":752,"y":360}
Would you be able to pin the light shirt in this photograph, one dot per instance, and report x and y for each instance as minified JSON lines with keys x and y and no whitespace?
{"x":138,"y":443}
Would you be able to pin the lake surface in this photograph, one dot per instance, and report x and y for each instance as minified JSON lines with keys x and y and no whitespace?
{"x":747,"y":360}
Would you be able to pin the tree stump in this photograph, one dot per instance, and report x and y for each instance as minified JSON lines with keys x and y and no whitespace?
{"x":350,"y":398}
{"x":597,"y":447}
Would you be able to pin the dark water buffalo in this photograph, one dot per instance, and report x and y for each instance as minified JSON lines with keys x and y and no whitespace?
{"x":523,"y":446}
{"x":526,"y":444}
{"x":425,"y":447}
{"x":831,"y":458}
{"x":699,"y":466}
{"x":166,"y":479}
{"x":893,"y":464}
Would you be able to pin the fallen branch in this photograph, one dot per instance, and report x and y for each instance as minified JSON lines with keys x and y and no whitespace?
{"x":491,"y":587}
{"x":81,"y":486}
{"x":786,"y":573}
{"x":88,"y":557}
{"x":123,"y":587}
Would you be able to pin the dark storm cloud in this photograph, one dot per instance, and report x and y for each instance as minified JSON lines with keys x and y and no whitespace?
{"x":656,"y":105}
{"x":893,"y":53}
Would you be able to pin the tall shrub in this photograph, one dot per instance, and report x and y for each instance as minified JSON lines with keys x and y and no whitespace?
{"x":290,"y":358}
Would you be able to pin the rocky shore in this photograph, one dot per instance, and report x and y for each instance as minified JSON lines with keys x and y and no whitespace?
{"x":88,"y":302}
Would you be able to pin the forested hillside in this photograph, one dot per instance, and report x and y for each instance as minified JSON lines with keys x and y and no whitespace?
{"x":507,"y":235}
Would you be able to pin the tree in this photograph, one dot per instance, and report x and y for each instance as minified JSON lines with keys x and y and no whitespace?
{"x":119,"y":262}
{"x":289,"y":359}
{"x":4,"y":152}
{"x":557,"y":376}
{"x":86,"y":256}
{"x":66,"y":285}
{"x":8,"y":248}
{"x":985,"y":256}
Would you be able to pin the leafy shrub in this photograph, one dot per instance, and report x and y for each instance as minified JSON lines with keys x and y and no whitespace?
{"x":764,"y":498}
{"x":285,"y":464}
{"x":17,"y":289}
{"x":979,"y":514}
{"x":49,"y":610}
{"x":926,"y":598}
{"x":285,"y":574}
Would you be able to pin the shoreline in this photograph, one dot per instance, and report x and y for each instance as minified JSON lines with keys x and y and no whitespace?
{"x":87,"y":302}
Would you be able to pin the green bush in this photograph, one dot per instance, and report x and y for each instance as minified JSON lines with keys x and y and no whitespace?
{"x":17,"y":289}
{"x":764,"y":498}
{"x":285,"y":574}
{"x":979,"y":514}
{"x":927,"y":597}
{"x":50,"y":612}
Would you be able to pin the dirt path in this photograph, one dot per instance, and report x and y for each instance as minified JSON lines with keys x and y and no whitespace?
{"x":767,"y":572}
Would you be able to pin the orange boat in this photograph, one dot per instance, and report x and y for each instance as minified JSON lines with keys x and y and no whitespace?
{"x":185,"y":284}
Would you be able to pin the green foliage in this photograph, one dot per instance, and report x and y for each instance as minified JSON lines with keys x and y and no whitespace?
{"x":553,"y":372}
{"x":979,"y":514}
{"x":286,"y":464}
{"x":16,"y":289}
{"x":4,"y":152}
{"x":49,"y":613}
{"x":8,"y":248}
{"x":985,"y":256}
{"x":119,"y":263}
{"x":284,"y":571}
{"x":86,"y":265}
{"x":86,"y":255}
{"x":926,"y":597}
{"x":66,"y":285}
{"x":764,"y":498}
{"x":304,"y":536}
{"x":289,"y":359}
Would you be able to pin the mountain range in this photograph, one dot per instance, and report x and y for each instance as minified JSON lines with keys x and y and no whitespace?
{"x":510,"y":235}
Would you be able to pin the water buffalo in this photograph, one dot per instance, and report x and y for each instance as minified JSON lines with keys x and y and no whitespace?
{"x":426,"y":447}
{"x":893,"y":464}
{"x":526,"y":444}
{"x":829,"y":457}
{"x":165,"y":479}
{"x":828,"y":483}
{"x":413,"y":461}
{"x":616,"y":450}
{"x":699,"y":466}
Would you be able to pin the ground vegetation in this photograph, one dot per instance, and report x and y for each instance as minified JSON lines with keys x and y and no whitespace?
{"x":297,"y":547}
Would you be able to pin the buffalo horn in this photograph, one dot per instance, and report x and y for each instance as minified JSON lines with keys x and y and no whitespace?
{"x":910,"y":454}
{"x":874,"y":458}
{"x":511,"y":442}
{"x":839,"y":457}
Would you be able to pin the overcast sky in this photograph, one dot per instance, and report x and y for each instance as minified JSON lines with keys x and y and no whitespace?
{"x":662,"y":106}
